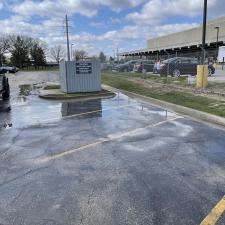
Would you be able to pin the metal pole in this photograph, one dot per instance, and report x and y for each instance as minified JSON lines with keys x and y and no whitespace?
{"x":72,"y":51}
{"x":223,"y":63}
{"x":168,"y":66}
{"x":204,"y":31}
{"x":68,"y":42}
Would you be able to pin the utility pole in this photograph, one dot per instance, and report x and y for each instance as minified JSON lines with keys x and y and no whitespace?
{"x":117,"y":53}
{"x":204,"y":31}
{"x":68,"y":42}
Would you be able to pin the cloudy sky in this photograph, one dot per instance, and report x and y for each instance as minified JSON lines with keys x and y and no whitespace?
{"x":103,"y":25}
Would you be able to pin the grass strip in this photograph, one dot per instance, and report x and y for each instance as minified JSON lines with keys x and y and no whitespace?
{"x":189,"y":100}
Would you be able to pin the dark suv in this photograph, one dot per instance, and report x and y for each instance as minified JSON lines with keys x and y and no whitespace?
{"x":4,"y":85}
{"x":181,"y":65}
{"x":147,"y":65}
{"x":127,"y":66}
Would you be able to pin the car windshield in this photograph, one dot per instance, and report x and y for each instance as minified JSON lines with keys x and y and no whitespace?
{"x":169,"y":60}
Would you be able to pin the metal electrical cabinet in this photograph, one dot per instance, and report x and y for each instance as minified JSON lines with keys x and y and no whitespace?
{"x":80,"y":76}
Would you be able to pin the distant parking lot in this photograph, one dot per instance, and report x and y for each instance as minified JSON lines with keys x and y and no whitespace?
{"x":110,"y":161}
{"x":219,"y":75}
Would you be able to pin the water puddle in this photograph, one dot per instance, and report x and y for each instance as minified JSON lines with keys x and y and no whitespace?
{"x":28,"y":111}
{"x":29,"y":89}
{"x":89,"y":108}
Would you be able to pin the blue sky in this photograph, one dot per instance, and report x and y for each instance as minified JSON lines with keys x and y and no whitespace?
{"x":102,"y":25}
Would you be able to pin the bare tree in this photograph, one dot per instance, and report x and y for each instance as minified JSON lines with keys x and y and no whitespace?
{"x":57,"y":53}
{"x":80,"y":54}
{"x":4,"y":47}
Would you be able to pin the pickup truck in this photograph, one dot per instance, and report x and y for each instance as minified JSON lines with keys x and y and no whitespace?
{"x":4,"y":85}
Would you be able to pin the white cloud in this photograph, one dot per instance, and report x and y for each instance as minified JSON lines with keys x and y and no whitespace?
{"x":87,"y":8}
{"x":150,"y":21}
{"x":1,"y":6}
{"x":145,"y":32}
{"x":21,"y":25}
{"x":155,"y":11}
{"x":115,"y":20}
{"x":98,"y":24}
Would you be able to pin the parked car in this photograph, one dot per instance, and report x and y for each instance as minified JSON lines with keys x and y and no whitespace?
{"x":4,"y":85}
{"x":10,"y":69}
{"x":106,"y":67}
{"x":127,"y":66}
{"x":181,"y":65}
{"x":146,"y":65}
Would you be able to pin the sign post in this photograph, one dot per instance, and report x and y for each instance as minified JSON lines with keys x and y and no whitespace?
{"x":202,"y":70}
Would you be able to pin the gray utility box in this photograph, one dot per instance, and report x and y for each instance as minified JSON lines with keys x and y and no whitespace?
{"x":80,"y":76}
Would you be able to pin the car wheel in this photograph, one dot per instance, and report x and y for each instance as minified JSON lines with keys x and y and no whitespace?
{"x":176,"y":73}
{"x":210,"y":72}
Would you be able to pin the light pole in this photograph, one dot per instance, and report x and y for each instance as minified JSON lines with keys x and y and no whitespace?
{"x":204,"y":31}
{"x":217,"y":41}
{"x":72,"y":51}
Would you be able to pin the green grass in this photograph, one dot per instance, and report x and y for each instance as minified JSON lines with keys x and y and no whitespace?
{"x":180,"y":98}
{"x":153,"y":77}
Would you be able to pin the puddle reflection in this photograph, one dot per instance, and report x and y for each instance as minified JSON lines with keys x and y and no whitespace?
{"x":5,"y":116}
{"x":25,"y":89}
{"x":90,"y":108}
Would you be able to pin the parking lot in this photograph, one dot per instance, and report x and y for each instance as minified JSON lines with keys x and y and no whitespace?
{"x":106,"y":161}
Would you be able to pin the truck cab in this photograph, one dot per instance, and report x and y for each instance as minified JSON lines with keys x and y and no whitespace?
{"x":4,"y":85}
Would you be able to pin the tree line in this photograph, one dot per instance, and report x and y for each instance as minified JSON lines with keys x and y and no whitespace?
{"x":25,"y":51}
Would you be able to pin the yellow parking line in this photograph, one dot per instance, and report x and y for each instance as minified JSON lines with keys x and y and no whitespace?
{"x":215,"y":214}
{"x":104,"y":140}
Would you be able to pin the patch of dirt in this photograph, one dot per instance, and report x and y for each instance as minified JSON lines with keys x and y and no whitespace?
{"x":213,"y":92}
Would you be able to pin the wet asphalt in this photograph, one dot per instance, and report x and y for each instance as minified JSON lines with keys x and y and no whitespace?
{"x":112,"y":161}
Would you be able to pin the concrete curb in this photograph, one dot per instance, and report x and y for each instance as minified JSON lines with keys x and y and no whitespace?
{"x":193,"y":113}
{"x":48,"y":96}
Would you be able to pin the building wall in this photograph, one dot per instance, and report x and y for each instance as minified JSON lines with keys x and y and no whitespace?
{"x":189,"y":37}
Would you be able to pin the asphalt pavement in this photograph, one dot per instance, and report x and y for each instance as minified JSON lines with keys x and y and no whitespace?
{"x":112,"y":161}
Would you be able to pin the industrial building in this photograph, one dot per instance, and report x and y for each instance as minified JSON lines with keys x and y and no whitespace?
{"x":185,"y":43}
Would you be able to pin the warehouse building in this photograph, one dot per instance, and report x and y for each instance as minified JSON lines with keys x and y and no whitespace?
{"x":185,"y":43}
